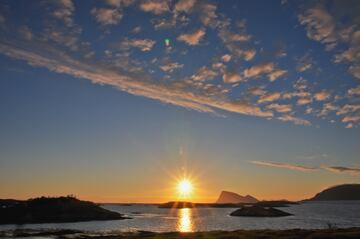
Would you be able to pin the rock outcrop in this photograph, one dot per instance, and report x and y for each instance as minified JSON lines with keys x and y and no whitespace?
{"x":256,"y":211}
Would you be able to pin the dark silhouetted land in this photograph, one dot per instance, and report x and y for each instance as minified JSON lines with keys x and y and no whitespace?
{"x":240,"y":234}
{"x":339,"y":192}
{"x":51,"y":210}
{"x":257,"y":211}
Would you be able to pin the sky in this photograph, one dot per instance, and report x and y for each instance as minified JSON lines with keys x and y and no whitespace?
{"x":116,"y":100}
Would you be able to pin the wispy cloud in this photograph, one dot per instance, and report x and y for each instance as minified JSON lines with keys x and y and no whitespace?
{"x":184,"y":5}
{"x":322,"y":95}
{"x":282,"y":108}
{"x":323,"y":26}
{"x":204,"y":74}
{"x":170,"y":67}
{"x":269,"y":97}
{"x":264,"y":69}
{"x":154,"y":6}
{"x":314,"y":156}
{"x":192,"y":38}
{"x":142,"y":44}
{"x":60,"y":62}
{"x":107,"y":16}
{"x":231,"y":77}
{"x":340,"y":169}
{"x":295,"y":120}
{"x":64,"y":11}
{"x":336,"y":169}
{"x":285,"y":165}
{"x":320,"y":25}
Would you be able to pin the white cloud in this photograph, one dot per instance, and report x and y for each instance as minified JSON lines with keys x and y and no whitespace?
{"x":136,"y":29}
{"x":208,"y":13}
{"x":107,"y":16}
{"x":170,"y":67}
{"x":320,"y":25}
{"x":327,"y":108}
{"x":184,"y":5}
{"x":204,"y":74}
{"x":294,"y":119}
{"x":141,"y":44}
{"x":248,"y":54}
{"x":234,"y":41}
{"x":347,"y":109}
{"x":258,"y":70}
{"x":355,"y":70}
{"x":276,"y":74}
{"x":58,"y":61}
{"x":322,"y":95}
{"x":351,"y":118}
{"x":155,"y":6}
{"x":282,"y":108}
{"x":228,"y":36}
{"x":64,"y":11}
{"x":354,"y":91}
{"x":349,"y":126}
{"x":257,"y":90}
{"x":231,"y":77}
{"x":192,"y":38}
{"x":269,"y":97}
{"x":304,"y":63}
{"x":119,"y":3}
{"x":226,"y":58}
{"x":264,"y":69}
{"x":304,"y":101}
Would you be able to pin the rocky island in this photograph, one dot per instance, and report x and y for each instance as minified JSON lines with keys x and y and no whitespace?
{"x":53,"y":210}
{"x":257,"y":211}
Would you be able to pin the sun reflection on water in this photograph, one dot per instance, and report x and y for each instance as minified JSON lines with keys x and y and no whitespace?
{"x":185,"y":220}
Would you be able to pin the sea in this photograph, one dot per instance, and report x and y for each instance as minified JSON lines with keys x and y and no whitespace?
{"x":307,"y":215}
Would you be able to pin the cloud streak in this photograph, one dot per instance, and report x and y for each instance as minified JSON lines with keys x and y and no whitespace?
{"x":340,"y":169}
{"x":335,"y":169}
{"x":58,"y":61}
{"x":285,"y":165}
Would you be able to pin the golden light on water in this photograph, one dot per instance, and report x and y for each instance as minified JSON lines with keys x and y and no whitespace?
{"x":185,"y":222}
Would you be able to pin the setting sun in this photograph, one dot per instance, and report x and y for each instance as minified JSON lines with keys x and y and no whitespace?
{"x":185,"y":187}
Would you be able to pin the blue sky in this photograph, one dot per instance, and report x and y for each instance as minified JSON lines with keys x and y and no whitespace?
{"x":94,"y":103}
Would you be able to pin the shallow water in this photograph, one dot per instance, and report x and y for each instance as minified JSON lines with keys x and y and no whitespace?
{"x":309,"y":215}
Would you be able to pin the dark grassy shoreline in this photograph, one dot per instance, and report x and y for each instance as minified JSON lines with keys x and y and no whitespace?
{"x":245,"y":234}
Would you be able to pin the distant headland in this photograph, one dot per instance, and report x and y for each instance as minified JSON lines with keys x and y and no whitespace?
{"x":339,"y":192}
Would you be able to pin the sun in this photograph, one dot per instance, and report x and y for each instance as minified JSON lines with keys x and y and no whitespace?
{"x":185,"y":187}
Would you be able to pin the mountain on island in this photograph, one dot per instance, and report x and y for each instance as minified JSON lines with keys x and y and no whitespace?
{"x":339,"y":192}
{"x":230,"y":197}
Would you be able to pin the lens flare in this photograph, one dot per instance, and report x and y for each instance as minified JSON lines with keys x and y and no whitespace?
{"x":185,"y":187}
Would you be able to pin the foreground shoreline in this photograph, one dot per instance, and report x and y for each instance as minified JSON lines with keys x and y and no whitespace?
{"x":246,"y":234}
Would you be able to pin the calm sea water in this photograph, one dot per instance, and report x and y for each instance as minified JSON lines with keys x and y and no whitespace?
{"x":308,"y":215}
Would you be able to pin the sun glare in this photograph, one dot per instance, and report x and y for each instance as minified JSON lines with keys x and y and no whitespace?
{"x":185,"y":187}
